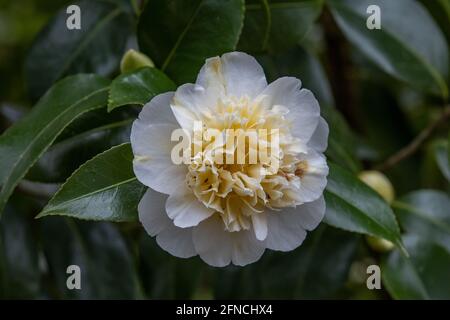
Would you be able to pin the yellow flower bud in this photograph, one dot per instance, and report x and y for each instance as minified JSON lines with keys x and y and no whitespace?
{"x":380,"y":183}
{"x":379,"y":244}
{"x":133,"y":60}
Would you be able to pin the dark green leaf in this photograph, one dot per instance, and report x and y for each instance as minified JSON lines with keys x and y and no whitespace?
{"x":22,"y":144}
{"x":426,"y":213}
{"x":301,"y":274}
{"x":411,"y":49}
{"x":138,"y":87}
{"x":97,"y":47}
{"x":65,"y":156}
{"x":104,"y":188}
{"x":106,"y":264}
{"x":179,"y":35}
{"x":423,"y":276}
{"x":18,"y":256}
{"x":353,"y":206}
{"x":277,"y":25}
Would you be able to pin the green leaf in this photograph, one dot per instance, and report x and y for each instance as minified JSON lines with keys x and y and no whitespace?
{"x":104,"y":188}
{"x":178,"y":35}
{"x":96,"y":48}
{"x":411,"y":49}
{"x":423,"y":276}
{"x":165,"y":276}
{"x":22,"y":144}
{"x":66,"y":155}
{"x":425,"y":213}
{"x":18,"y":255}
{"x":277,"y":25}
{"x":105,"y":261}
{"x":301,"y":274}
{"x":441,"y":151}
{"x":138,"y":87}
{"x":353,"y":206}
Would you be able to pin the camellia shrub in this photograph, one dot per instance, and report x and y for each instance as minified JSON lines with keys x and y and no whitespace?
{"x":225,"y":149}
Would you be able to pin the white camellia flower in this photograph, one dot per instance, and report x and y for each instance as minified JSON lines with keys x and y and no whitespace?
{"x":230,"y":213}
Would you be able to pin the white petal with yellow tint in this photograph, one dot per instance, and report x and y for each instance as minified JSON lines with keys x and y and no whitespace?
{"x":239,"y":74}
{"x":259,"y":221}
{"x":152,"y":163}
{"x":185,"y":209}
{"x":313,"y":179}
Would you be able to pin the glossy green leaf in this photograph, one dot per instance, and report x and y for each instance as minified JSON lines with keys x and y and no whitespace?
{"x":277,"y":25}
{"x":104,"y":188}
{"x":138,"y":87}
{"x":179,"y":35}
{"x":22,"y":144}
{"x":65,"y":156}
{"x":426,"y":213}
{"x":423,"y":276}
{"x":411,"y":49}
{"x":353,"y":206}
{"x":20,"y":277}
{"x":301,"y":274}
{"x":105,"y":261}
{"x":96,"y":48}
{"x":165,"y":276}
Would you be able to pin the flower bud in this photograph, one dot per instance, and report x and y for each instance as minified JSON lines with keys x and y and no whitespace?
{"x":133,"y":60}
{"x":380,"y":183}
{"x":379,"y":244}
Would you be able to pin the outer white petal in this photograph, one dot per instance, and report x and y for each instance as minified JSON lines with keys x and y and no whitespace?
{"x":158,"y":111}
{"x":319,"y":139}
{"x":190,"y":103}
{"x":218,"y":247}
{"x":304,"y":110}
{"x":238,"y":73}
{"x":152,"y":162}
{"x":184,"y":208}
{"x":176,"y":241}
{"x":287,"y":228}
{"x":152,"y":213}
{"x":314,"y":180}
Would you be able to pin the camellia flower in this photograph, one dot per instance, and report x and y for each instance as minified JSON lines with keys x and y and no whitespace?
{"x":232,"y":212}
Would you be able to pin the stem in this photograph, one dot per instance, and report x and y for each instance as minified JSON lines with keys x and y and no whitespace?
{"x":414,"y":145}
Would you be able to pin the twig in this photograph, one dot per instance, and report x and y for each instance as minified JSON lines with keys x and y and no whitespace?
{"x":412,"y":147}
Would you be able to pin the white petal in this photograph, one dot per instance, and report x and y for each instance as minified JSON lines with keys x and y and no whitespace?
{"x":238,"y":73}
{"x":152,"y":212}
{"x":190,"y":103}
{"x":158,"y":111}
{"x":152,"y":162}
{"x":185,"y":209}
{"x":304,"y":110}
{"x":314,"y":180}
{"x":285,"y":232}
{"x":218,"y":247}
{"x":259,"y":221}
{"x":287,"y":229}
{"x":177,"y":241}
{"x":319,"y":139}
